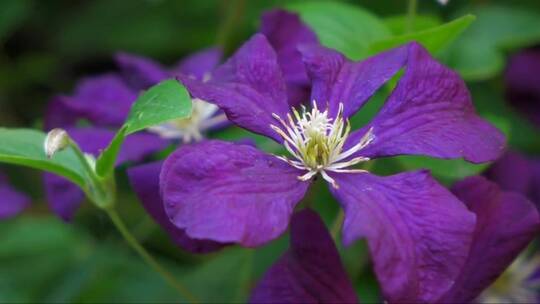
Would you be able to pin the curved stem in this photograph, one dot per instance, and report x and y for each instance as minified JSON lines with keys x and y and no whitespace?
{"x":411,"y":13}
{"x":233,"y":13}
{"x":147,"y":257}
{"x":336,"y":226}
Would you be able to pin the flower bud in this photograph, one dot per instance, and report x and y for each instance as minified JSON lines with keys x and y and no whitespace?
{"x":56,"y":140}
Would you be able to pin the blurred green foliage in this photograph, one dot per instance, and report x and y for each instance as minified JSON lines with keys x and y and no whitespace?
{"x":45,"y":46}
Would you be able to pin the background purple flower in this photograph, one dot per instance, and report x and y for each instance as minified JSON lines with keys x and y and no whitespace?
{"x":506,"y":223}
{"x":104,"y":102}
{"x":310,"y":271}
{"x":523,"y":83}
{"x":518,"y":173}
{"x":12,"y":202}
{"x":418,"y":232}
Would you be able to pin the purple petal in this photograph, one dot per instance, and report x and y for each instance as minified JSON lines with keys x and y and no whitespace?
{"x":102,"y":100}
{"x":229,"y":193}
{"x":430,"y":113}
{"x":310,"y":271}
{"x":337,"y":80}
{"x":145,"y":182}
{"x":418,"y":233}
{"x":199,"y":64}
{"x":249,"y":87}
{"x":522,"y":81}
{"x":506,"y":224}
{"x":140,"y":72}
{"x":64,"y":197}
{"x":12,"y":202}
{"x":513,"y":172}
{"x":285,"y":32}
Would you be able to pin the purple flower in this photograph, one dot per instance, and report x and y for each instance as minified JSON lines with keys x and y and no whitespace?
{"x":518,"y":173}
{"x":418,"y":232}
{"x":104,"y":103}
{"x":523,"y":83}
{"x":145,"y":181}
{"x":310,"y":271}
{"x":506,"y":223}
{"x":12,"y":202}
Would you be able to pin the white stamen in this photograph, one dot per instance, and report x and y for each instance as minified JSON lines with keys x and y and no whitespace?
{"x":316,"y":142}
{"x":191,"y":129}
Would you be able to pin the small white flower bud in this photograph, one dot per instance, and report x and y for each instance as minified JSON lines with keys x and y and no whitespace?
{"x":443,"y":2}
{"x":56,"y":140}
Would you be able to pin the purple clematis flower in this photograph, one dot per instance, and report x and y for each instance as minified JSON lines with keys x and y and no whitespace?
{"x":104,"y":102}
{"x":518,"y":173}
{"x":506,"y":223}
{"x":523,"y":83}
{"x":418,"y":232}
{"x":310,"y":271}
{"x":12,"y":202}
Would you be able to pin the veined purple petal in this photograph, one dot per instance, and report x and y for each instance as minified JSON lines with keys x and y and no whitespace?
{"x":418,"y":233}
{"x":335,"y":79}
{"x":103,"y":100}
{"x":285,"y":32}
{"x":12,"y":202}
{"x":140,"y":72}
{"x":506,"y":223}
{"x":199,"y":64}
{"x":522,"y":83}
{"x":145,"y":182}
{"x":229,"y":193}
{"x":249,"y":87}
{"x":63,"y":196}
{"x":430,"y":113}
{"x":310,"y":271}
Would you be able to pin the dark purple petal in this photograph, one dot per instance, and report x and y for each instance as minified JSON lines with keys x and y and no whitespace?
{"x":229,"y":193}
{"x":199,"y":64}
{"x":102,"y":100}
{"x":522,"y":81}
{"x":512,"y":172}
{"x":145,"y":182}
{"x":430,"y":113}
{"x":285,"y":32}
{"x":249,"y":87}
{"x":336,"y":80}
{"x":64,"y":197}
{"x":418,"y":233}
{"x":12,"y":202}
{"x":506,"y":223}
{"x":140,"y":72}
{"x":310,"y":271}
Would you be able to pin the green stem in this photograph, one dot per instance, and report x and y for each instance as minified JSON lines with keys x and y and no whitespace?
{"x":411,"y":14}
{"x":147,"y":257}
{"x":230,"y":19}
{"x":336,"y":226}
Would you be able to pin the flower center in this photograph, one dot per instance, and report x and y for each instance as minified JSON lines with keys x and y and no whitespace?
{"x":316,"y":142}
{"x":191,"y":129}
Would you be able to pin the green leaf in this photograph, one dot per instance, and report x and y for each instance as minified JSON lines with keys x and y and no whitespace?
{"x":434,"y":39}
{"x":397,"y":24}
{"x":344,"y":27}
{"x":165,"y":101}
{"x":448,"y":170}
{"x":478,"y":53}
{"x":25,"y":147}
